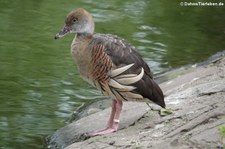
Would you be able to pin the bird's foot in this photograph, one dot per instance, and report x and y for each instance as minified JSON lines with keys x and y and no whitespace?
{"x":102,"y":132}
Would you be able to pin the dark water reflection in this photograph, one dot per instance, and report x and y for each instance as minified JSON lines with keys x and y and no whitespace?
{"x":39,"y":85}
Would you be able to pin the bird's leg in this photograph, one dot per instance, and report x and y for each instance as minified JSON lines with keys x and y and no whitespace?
{"x":113,"y":123}
{"x":115,"y":115}
{"x":112,"y":114}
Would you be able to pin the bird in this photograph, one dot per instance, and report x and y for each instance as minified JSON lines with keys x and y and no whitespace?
{"x":111,"y":64}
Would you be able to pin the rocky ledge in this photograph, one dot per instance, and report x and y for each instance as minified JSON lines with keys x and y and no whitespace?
{"x":196,"y":95}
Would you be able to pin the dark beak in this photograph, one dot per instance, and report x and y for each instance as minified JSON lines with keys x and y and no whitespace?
{"x":65,"y":30}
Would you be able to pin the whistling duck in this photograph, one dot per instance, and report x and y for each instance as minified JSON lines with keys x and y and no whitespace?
{"x":111,"y":64}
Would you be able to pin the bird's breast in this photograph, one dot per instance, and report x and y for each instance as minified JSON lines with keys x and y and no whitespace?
{"x":82,"y":58}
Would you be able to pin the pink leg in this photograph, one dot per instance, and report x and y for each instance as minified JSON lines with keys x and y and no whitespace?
{"x":113,"y":123}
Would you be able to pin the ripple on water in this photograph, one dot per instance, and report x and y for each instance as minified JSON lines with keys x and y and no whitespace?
{"x":103,"y":15}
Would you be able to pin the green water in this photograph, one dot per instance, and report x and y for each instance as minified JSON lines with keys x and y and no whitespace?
{"x":39,"y":85}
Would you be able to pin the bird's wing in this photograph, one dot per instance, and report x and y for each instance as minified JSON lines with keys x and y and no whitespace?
{"x":130,"y":77}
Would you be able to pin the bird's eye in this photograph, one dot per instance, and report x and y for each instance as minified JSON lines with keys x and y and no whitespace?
{"x":75,"y":20}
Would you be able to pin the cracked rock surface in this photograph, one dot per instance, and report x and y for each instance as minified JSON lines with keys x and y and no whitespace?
{"x":197,"y":98}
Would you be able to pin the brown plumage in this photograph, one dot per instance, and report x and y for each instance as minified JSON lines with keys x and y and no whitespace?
{"x":111,"y":64}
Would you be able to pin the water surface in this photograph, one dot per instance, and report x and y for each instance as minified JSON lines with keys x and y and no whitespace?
{"x":39,"y":85}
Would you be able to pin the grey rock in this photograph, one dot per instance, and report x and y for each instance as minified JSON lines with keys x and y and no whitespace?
{"x":77,"y":130}
{"x":197,"y":98}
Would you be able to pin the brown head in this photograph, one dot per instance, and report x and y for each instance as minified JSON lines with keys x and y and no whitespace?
{"x":78,"y":21}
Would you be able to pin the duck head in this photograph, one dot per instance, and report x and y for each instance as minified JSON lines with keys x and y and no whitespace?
{"x":78,"y":21}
